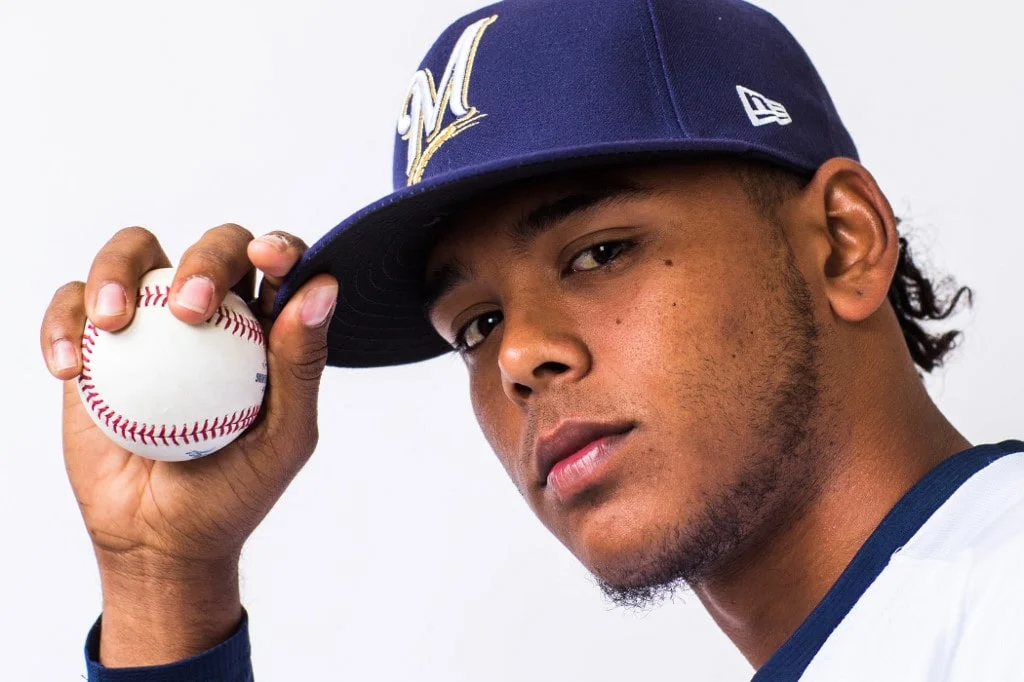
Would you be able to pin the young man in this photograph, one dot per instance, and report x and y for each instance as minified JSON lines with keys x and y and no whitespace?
{"x":693,"y":336}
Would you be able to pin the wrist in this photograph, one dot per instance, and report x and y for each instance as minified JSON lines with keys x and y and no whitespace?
{"x":157,"y":611}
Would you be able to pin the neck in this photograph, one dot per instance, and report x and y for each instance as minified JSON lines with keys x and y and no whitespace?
{"x":760,"y":599}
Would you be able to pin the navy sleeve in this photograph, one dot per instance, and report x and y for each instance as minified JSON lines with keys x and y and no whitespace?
{"x":229,"y":661}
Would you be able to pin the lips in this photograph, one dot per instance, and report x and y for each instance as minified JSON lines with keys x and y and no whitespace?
{"x":574,"y":440}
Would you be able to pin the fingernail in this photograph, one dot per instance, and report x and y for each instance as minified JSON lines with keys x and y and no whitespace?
{"x":64,"y":356}
{"x":318,"y":305}
{"x":275,"y":240}
{"x":110,"y":300}
{"x":195,"y":294}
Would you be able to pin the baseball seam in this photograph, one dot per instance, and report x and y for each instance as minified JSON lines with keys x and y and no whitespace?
{"x":225,"y":318}
{"x":168,"y":434}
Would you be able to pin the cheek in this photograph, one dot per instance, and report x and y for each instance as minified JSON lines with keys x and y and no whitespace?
{"x":680,"y":349}
{"x":657,"y":327}
{"x":499,"y":420}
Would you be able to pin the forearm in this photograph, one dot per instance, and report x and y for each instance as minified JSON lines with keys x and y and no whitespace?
{"x":161,"y":614}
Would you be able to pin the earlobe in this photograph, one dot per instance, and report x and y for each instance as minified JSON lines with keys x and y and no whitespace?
{"x":864,"y":244}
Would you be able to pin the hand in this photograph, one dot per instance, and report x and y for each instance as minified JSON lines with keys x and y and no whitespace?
{"x":177,"y":528}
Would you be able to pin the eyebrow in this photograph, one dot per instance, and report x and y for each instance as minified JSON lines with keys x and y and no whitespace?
{"x":528,"y":228}
{"x":441,"y":282}
{"x":548,"y":216}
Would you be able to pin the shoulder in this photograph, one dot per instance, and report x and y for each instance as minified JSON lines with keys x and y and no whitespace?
{"x":971,"y":556}
{"x":983,"y":519}
{"x":947,"y":599}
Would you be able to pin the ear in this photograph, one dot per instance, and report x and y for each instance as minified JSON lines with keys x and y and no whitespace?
{"x":863,"y":244}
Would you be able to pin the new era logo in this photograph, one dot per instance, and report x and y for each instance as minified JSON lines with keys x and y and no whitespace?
{"x":762,"y":110}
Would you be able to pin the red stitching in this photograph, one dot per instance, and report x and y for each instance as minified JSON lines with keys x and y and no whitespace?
{"x":225,"y":318}
{"x":153,"y":297}
{"x":238,"y":325}
{"x":143,"y":433}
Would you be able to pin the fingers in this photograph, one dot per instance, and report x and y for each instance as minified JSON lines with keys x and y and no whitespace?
{"x":208,"y":270}
{"x":275,"y":254}
{"x":107,"y":298}
{"x":60,"y":337}
{"x":113,"y":282}
{"x":296,"y":356}
{"x":221,"y":261}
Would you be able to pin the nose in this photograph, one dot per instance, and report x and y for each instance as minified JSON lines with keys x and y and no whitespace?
{"x":539,"y":351}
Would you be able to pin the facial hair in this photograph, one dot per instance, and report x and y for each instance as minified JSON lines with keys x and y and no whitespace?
{"x":777,"y":481}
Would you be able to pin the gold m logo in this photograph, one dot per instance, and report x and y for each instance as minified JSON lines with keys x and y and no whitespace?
{"x":426,"y":104}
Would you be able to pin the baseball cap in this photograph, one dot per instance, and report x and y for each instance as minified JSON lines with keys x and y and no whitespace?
{"x":524,"y":88}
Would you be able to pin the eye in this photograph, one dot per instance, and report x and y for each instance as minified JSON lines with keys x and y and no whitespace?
{"x":598,"y":255}
{"x":476,"y":330}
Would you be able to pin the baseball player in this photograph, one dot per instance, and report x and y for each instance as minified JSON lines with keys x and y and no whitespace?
{"x":694,"y":338}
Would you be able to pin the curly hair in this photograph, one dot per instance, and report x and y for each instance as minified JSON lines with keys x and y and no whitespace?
{"x":915,"y":298}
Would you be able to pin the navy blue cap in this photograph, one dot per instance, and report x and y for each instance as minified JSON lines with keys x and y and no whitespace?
{"x":527,"y":87}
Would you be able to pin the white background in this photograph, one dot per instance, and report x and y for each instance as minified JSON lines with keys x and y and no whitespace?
{"x":402,"y":552}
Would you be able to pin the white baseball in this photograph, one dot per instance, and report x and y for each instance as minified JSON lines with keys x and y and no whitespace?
{"x":171,"y":391}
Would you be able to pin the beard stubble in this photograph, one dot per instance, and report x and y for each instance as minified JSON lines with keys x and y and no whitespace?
{"x":777,"y":482}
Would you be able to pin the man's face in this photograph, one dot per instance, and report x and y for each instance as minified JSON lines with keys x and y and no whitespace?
{"x":642,"y":358}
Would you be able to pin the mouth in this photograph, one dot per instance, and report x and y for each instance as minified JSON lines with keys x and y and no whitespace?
{"x":569,"y":458}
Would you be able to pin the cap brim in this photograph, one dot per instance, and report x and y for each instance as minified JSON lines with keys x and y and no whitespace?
{"x":378,"y":255}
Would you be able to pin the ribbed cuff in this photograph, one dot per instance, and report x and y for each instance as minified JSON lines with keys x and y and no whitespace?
{"x":229,"y":661}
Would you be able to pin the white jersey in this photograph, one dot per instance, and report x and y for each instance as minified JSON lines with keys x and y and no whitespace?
{"x":937,"y":591}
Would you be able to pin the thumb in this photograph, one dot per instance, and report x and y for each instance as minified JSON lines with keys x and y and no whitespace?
{"x":296,"y":357}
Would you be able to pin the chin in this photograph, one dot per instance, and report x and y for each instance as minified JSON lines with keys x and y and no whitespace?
{"x":629,"y":545}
